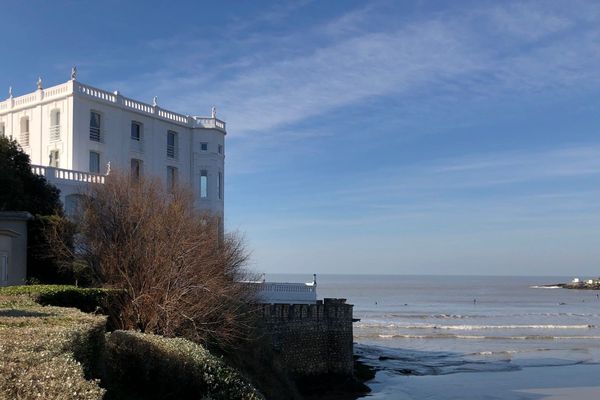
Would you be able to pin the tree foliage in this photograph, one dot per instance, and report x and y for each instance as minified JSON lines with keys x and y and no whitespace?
{"x":177,"y":275}
{"x":20,"y":188}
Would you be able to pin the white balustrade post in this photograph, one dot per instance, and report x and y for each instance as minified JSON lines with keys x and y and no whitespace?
{"x":49,"y":174}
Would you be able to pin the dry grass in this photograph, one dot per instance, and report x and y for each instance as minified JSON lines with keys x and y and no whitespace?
{"x":40,"y":348}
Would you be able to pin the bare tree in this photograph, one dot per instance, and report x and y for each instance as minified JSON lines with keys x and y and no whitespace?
{"x":177,"y":274}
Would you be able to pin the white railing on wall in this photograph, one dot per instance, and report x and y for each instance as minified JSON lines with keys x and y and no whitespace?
{"x":112,"y":98}
{"x":59,"y":90}
{"x":290,"y":293}
{"x":213,"y":123}
{"x":95,"y":93}
{"x":20,"y":101}
{"x":59,"y":174}
{"x":288,"y":287}
{"x":136,"y":105}
{"x":173,"y":116}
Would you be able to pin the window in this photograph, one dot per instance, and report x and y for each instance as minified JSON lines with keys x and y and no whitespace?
{"x":136,"y":131}
{"x":204,"y":146}
{"x":2,"y":129}
{"x":220,"y":149}
{"x":25,"y":131}
{"x":95,"y":126}
{"x":94,"y":162}
{"x":203,"y":184}
{"x":172,"y":144}
{"x":54,"y":159}
{"x":3,"y":267}
{"x":220,"y":185}
{"x":171,"y":178}
{"x":136,"y":168}
{"x":55,"y":125}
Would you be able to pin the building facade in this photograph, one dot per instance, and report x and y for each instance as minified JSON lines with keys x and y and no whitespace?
{"x":75,"y":134}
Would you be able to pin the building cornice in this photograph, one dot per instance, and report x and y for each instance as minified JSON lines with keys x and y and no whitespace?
{"x":114,"y":99}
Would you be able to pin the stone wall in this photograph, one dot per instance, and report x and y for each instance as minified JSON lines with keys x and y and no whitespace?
{"x":312,"y":339}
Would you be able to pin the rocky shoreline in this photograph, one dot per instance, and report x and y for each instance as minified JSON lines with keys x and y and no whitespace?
{"x":578,"y":285}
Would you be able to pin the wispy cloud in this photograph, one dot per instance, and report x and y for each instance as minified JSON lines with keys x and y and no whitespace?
{"x":501,"y":50}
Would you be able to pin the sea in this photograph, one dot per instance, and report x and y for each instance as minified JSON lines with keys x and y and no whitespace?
{"x":472,"y":337}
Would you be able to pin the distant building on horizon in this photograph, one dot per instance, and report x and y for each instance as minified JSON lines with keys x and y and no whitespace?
{"x":75,"y":133}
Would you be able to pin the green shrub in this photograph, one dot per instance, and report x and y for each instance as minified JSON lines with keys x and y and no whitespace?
{"x":144,"y":366}
{"x":44,"y":351}
{"x":84,"y":299}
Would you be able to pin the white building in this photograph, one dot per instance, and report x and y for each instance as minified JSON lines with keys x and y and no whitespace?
{"x":285,"y":292}
{"x":74,"y":133}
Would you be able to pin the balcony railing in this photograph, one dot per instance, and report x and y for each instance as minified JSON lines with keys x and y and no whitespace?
{"x":24,"y":139}
{"x":94,"y":134}
{"x":213,"y":123}
{"x":56,"y":175}
{"x":54,"y":133}
{"x":171,"y":153}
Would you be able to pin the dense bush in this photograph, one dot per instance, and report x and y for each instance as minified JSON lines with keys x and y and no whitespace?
{"x":22,"y":190}
{"x":44,"y":351}
{"x":178,"y":275}
{"x":84,"y":299}
{"x":145,"y":366}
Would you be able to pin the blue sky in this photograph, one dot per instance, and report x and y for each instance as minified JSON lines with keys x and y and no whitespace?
{"x":364,"y":137}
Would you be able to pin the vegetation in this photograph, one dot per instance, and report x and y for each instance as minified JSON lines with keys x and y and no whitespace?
{"x":56,"y":353}
{"x":46,"y":352}
{"x":169,"y":368}
{"x":28,"y":192}
{"x":84,"y":299}
{"x":177,"y":275}
{"x":32,"y":193}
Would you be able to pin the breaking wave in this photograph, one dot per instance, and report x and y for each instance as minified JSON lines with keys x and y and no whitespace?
{"x":475,"y":337}
{"x":472,"y":327}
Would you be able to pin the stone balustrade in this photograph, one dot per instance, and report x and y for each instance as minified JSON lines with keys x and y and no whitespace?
{"x":114,"y":98}
{"x":56,"y":175}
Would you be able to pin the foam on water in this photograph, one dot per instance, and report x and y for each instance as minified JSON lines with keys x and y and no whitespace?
{"x":469,"y":327}
{"x":414,"y":325}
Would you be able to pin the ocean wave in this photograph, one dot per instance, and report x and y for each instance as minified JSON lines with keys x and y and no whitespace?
{"x":433,"y":316}
{"x":474,"y":337}
{"x":374,"y":319}
{"x":471,"y":327}
{"x":545,"y":287}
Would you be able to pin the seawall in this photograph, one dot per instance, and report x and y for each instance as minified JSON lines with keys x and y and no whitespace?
{"x":312,"y":339}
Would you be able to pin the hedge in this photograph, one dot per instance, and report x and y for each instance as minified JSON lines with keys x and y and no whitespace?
{"x":46,"y":352}
{"x":145,"y":366}
{"x":84,"y":299}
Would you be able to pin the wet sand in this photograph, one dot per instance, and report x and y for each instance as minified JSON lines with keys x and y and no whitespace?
{"x":575,"y":382}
